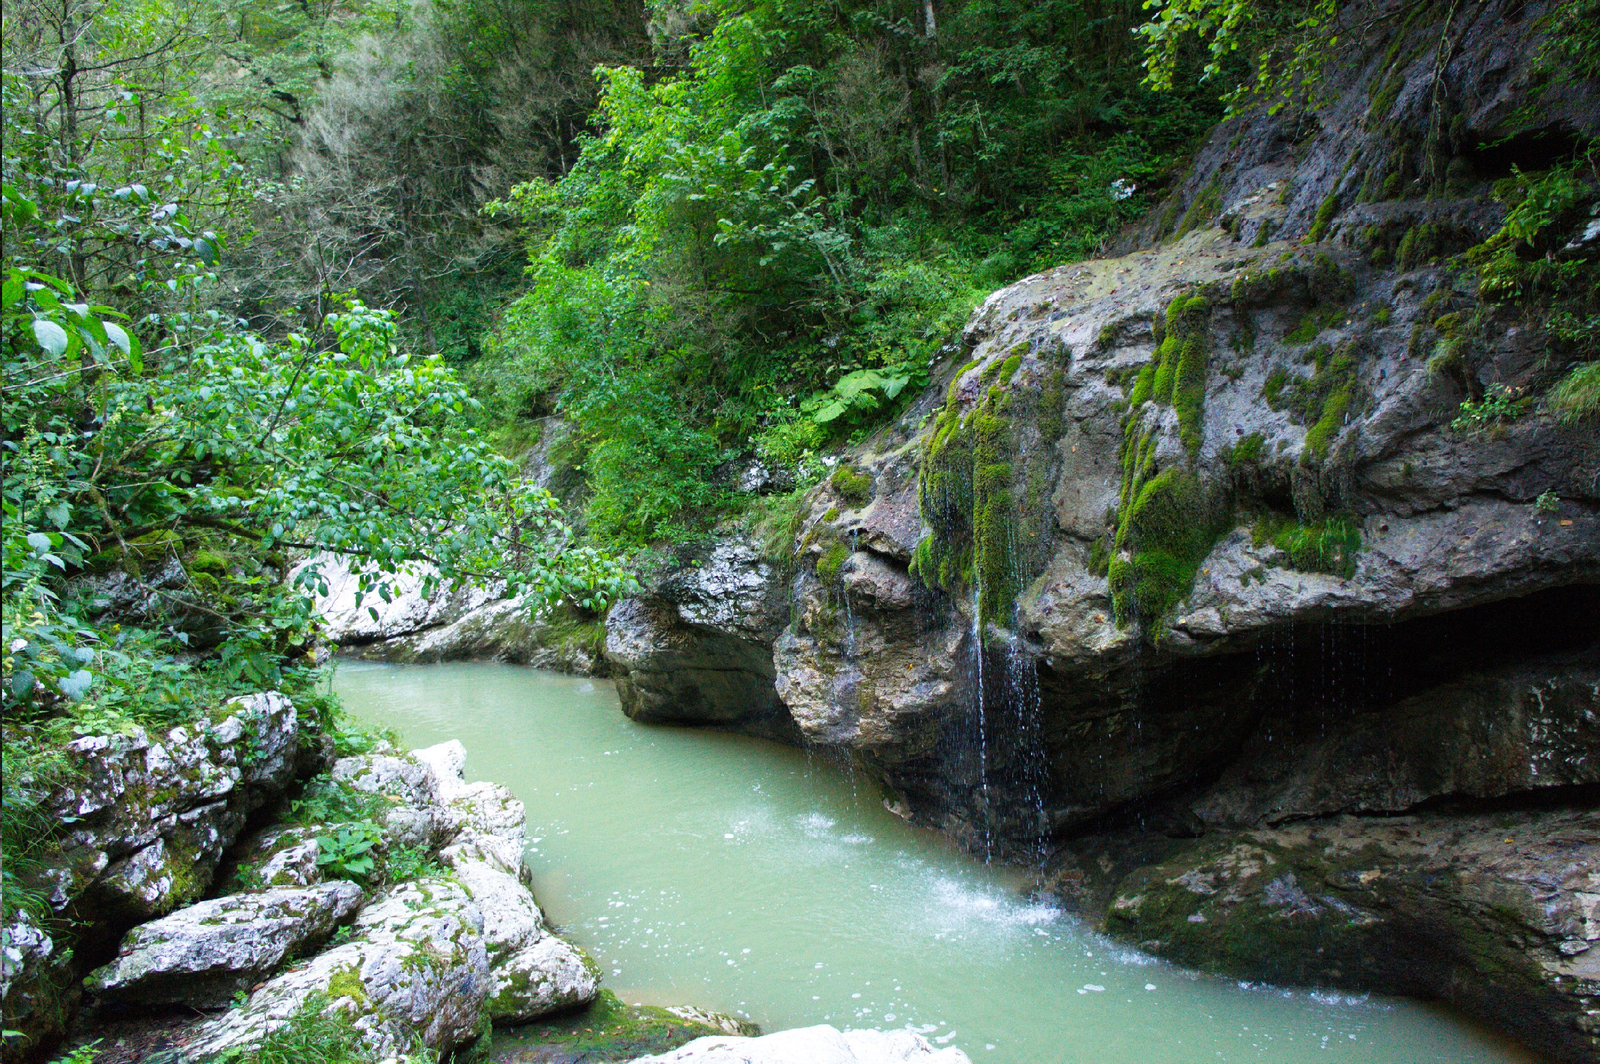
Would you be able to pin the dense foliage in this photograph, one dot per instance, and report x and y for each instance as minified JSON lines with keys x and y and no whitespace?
{"x":173,"y":462}
{"x":764,"y":248}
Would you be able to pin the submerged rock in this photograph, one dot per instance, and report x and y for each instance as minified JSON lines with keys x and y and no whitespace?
{"x":203,"y":954}
{"x":822,"y":1044}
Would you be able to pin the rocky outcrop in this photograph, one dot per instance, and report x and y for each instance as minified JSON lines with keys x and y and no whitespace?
{"x":416,"y":969}
{"x":407,"y":622}
{"x":508,"y":630}
{"x":146,"y":819}
{"x":203,"y":954}
{"x":814,"y":1045}
{"x":1493,"y":912}
{"x":695,"y":646}
{"x":432,"y":960}
{"x":1213,"y":540}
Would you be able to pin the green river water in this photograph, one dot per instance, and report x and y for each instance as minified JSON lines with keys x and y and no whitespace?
{"x":730,"y":873}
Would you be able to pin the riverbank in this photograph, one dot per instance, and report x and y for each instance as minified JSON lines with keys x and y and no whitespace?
{"x":668,"y":852}
{"x":377,"y":906}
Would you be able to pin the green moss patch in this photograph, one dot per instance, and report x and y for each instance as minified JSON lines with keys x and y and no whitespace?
{"x":1327,"y":546}
{"x":608,"y":1030}
{"x":853,"y":485}
{"x":832,"y":563}
{"x":981,"y":497}
{"x":1166,"y":521}
{"x":1324,"y":219}
{"x":1162,"y":538}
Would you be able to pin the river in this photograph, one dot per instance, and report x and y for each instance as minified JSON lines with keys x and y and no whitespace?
{"x":735,"y":874}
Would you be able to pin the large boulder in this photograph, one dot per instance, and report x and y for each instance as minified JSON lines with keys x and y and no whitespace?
{"x":150,"y":815}
{"x":403,"y":622}
{"x":416,"y":968}
{"x":534,"y":973}
{"x":146,"y":818}
{"x":416,"y":815}
{"x":1233,"y":449}
{"x":822,"y":1044}
{"x":203,"y":954}
{"x":511,"y":630}
{"x":696,"y":646}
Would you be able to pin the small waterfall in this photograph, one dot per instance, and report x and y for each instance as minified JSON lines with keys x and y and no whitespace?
{"x":984,"y":812}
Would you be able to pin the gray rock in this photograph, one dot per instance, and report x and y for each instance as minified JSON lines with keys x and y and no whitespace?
{"x":534,"y":973}
{"x":203,"y":954}
{"x":151,"y":815}
{"x":695,"y":647}
{"x":36,"y":975}
{"x":416,"y":969}
{"x":147,"y":818}
{"x":822,"y":1044}
{"x":1496,"y":913}
{"x":417,"y":817}
{"x":348,"y":614}
{"x":503,"y":630}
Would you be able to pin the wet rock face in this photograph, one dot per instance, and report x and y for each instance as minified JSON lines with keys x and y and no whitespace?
{"x":1494,"y":913}
{"x":695,"y":647}
{"x":1153,"y":473}
{"x":1521,"y":730}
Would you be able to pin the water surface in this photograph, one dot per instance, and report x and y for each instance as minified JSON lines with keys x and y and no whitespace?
{"x":715,"y":870}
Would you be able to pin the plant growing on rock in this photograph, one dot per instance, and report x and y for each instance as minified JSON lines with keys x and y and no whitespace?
{"x":1500,"y":405}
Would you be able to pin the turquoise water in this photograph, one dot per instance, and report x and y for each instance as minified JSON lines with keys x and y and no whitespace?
{"x":730,"y":873}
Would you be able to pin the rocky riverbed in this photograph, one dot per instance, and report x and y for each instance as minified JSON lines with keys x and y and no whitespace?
{"x":379,"y":886}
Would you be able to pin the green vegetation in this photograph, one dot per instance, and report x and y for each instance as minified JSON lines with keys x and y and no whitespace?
{"x":1522,"y":265}
{"x":1327,"y":546}
{"x":1246,"y":450}
{"x":321,"y":1033}
{"x":608,"y":1030}
{"x":1166,"y":523}
{"x":853,"y":485}
{"x":772,"y":233}
{"x":1500,"y":405}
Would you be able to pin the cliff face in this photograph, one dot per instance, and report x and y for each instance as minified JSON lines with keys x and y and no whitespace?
{"x":1196,"y":542}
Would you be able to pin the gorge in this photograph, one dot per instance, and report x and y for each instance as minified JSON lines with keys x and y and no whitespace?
{"x":1186,"y":647}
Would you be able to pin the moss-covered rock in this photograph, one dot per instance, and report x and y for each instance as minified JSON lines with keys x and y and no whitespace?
{"x":610,"y":1030}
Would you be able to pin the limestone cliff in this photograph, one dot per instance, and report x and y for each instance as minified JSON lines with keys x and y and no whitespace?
{"x":1257,"y":539}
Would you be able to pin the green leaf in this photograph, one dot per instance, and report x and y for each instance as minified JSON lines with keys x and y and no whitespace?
{"x":52,"y":337}
{"x":118,"y":337}
{"x":76,"y":684}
